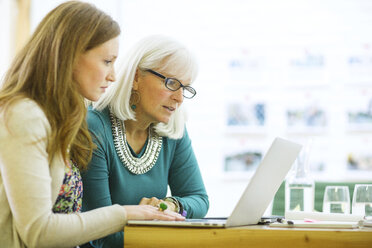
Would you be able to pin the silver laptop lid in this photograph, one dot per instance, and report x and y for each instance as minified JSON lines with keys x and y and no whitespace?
{"x":265,"y":182}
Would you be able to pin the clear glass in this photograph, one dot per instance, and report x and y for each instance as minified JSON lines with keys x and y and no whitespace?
{"x":336,"y":200}
{"x":174,"y":84}
{"x":299,"y":188}
{"x":362,"y":199}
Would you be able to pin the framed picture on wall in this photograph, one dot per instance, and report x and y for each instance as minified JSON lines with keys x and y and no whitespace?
{"x":306,"y":111}
{"x":242,"y":161}
{"x":359,"y":63}
{"x":359,"y":109}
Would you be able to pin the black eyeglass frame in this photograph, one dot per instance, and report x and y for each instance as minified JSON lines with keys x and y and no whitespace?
{"x":166,"y":80}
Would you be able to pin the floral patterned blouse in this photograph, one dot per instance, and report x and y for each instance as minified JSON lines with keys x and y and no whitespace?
{"x":70,"y":196}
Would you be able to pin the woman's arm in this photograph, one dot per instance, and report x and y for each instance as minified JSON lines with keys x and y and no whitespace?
{"x":27,"y":180}
{"x":185,"y":180}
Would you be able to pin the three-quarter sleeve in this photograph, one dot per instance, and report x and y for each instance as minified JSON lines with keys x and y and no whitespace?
{"x":185,"y":180}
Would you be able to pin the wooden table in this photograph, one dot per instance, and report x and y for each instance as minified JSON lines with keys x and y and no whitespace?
{"x":249,"y":236}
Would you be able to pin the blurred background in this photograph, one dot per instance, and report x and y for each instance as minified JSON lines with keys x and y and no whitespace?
{"x":297,"y":69}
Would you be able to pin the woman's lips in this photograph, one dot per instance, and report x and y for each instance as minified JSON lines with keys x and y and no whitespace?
{"x":171,"y":109}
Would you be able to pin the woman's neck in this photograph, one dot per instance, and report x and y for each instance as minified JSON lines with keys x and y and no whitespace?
{"x":136,"y":134}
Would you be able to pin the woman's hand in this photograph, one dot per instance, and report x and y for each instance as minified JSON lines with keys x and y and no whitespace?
{"x":156,"y":202}
{"x":148,"y":212}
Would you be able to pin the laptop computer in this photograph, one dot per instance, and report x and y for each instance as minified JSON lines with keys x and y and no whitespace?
{"x":258,"y":194}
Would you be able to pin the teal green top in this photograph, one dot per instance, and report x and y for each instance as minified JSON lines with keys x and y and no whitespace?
{"x":109,"y":182}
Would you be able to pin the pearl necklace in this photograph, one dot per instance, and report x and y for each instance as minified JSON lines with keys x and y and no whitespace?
{"x":135,"y":165}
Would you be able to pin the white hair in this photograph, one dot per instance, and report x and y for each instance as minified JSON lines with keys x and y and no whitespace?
{"x":159,"y":53}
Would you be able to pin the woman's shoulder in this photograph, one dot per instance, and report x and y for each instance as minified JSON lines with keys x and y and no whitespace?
{"x":184,"y":140}
{"x":98,"y":118}
{"x":26,"y":111}
{"x":26,"y":107}
{"x":94,"y":114}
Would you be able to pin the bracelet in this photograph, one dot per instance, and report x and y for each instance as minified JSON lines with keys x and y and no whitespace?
{"x":182,"y":211}
{"x":179,"y":208}
{"x":174,"y":201}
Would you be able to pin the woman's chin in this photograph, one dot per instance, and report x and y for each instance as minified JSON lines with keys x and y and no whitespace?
{"x":164,"y":121}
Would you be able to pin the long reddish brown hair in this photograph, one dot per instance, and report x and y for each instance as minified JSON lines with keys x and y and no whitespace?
{"x":43,"y":72}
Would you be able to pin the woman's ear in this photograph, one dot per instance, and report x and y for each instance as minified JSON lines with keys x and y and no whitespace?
{"x":135,"y":81}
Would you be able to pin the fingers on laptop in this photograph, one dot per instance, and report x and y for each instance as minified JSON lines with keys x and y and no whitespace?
{"x":148,"y":212}
{"x":152,"y":205}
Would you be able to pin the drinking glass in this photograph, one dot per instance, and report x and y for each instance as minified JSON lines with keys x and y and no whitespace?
{"x":336,"y":200}
{"x":362,"y":199}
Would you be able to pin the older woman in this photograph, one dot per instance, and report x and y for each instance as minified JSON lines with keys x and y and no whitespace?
{"x":142,"y":143}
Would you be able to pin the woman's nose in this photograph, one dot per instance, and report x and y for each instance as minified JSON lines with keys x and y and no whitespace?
{"x":111,"y":76}
{"x":178,"y":95}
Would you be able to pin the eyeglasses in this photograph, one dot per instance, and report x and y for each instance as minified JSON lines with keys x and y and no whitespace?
{"x":174,"y":84}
